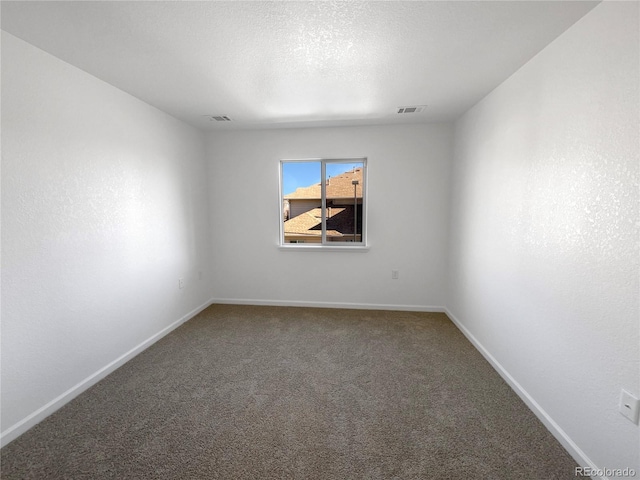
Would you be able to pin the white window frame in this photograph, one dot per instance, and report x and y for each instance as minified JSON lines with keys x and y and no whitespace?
{"x":324,"y":245}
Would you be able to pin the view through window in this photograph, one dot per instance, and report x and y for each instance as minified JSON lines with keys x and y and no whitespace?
{"x":323,"y":212}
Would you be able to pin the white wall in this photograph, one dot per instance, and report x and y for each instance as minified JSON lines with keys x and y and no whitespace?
{"x":104,"y":207}
{"x":544,"y":269}
{"x":407,"y":165}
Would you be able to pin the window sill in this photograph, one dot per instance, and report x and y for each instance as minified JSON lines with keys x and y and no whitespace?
{"x":323,"y":248}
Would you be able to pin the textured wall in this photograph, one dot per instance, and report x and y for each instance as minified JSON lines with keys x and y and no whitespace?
{"x":103,"y":207}
{"x":407,"y":165}
{"x":544,"y":253}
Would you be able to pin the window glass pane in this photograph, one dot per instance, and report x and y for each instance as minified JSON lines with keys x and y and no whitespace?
{"x":344,"y":187}
{"x":301,"y":202}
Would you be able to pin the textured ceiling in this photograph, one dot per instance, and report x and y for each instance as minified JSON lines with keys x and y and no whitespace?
{"x":268,"y":64}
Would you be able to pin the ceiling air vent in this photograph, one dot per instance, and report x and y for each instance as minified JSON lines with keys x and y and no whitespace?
{"x":413,"y":109}
{"x":218,"y":118}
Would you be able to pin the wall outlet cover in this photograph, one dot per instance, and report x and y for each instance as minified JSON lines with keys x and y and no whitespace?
{"x":629,"y":406}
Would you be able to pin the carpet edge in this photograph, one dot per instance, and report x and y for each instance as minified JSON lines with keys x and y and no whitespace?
{"x":569,"y":445}
{"x":314,"y":304}
{"x":43,"y":412}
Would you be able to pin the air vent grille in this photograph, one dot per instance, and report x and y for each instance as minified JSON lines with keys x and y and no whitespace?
{"x":411,"y":109}
{"x":218,"y":118}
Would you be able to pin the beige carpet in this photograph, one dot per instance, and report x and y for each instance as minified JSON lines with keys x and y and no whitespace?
{"x":245,"y":392}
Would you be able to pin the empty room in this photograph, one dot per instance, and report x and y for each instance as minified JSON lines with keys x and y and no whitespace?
{"x":320,"y":239}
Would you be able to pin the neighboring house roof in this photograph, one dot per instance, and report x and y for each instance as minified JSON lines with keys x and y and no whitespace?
{"x":339,"y":222}
{"x":339,"y":186}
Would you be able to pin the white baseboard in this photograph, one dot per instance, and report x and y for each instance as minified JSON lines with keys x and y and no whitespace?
{"x":570,"y":446}
{"x":355,"y":306}
{"x":29,"y":421}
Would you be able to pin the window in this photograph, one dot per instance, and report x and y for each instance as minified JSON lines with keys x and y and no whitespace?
{"x":323,"y":202}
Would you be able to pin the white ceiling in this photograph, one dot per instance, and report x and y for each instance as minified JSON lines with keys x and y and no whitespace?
{"x":314,"y":63}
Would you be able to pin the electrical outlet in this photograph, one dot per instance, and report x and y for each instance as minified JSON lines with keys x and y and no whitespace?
{"x":629,"y":406}
{"x":199,"y":274}
{"x":395,"y":274}
{"x":181,"y":283}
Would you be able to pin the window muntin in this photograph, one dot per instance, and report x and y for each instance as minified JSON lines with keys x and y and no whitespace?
{"x":331,"y":212}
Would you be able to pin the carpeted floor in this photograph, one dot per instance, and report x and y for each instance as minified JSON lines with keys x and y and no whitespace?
{"x":244,"y":392}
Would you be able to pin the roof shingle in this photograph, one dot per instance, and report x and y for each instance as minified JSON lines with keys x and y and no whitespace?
{"x":339,"y":222}
{"x":339,"y":186}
